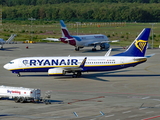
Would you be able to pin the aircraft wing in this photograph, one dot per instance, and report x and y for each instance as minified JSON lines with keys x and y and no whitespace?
{"x":97,"y":43}
{"x":73,"y":69}
{"x":110,"y":41}
{"x":51,"y":39}
{"x":79,"y":68}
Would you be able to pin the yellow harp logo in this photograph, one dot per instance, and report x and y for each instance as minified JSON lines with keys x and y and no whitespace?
{"x":140,"y":44}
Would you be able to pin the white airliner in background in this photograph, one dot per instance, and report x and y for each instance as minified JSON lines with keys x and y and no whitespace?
{"x":2,"y":42}
{"x":80,"y":41}
{"x":133,"y":56}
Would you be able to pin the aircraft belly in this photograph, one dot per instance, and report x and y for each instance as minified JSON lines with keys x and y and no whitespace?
{"x":31,"y":70}
{"x":110,"y":67}
{"x":80,"y":44}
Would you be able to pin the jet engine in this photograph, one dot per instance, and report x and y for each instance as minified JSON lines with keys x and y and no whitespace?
{"x":104,"y":46}
{"x":56,"y":71}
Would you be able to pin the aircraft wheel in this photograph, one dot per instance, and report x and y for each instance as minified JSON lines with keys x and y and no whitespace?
{"x":93,"y":49}
{"x":77,"y":49}
{"x":79,"y":74}
{"x":101,"y":48}
{"x":64,"y":72}
{"x":74,"y":76}
{"x":18,"y":75}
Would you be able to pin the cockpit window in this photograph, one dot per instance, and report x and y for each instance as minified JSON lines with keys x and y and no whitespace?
{"x":11,"y":62}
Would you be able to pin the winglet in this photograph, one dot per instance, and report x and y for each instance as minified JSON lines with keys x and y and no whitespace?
{"x":83,"y":63}
{"x":108,"y":52}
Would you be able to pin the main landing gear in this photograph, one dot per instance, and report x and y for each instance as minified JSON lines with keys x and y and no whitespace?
{"x":76,"y":48}
{"x":76,"y":75}
{"x":94,"y":49}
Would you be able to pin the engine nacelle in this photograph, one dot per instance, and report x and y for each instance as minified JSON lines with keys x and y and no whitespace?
{"x":1,"y":46}
{"x":104,"y":46}
{"x":56,"y":71}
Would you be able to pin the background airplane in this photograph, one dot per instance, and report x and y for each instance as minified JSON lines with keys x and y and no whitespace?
{"x":133,"y":56}
{"x":81,"y":41}
{"x":10,"y":39}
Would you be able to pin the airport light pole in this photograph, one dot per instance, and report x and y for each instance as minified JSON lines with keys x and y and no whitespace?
{"x":152,"y":32}
{"x":31,"y":19}
{"x":77,"y":26}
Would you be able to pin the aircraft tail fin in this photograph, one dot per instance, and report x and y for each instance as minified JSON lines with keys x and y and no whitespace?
{"x":64,"y":30}
{"x":139,"y":45}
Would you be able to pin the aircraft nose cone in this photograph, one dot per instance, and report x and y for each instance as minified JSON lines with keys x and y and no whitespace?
{"x":5,"y":66}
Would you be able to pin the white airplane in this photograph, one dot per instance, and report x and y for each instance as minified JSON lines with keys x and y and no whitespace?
{"x":81,"y":41}
{"x":2,"y":42}
{"x":133,"y":56}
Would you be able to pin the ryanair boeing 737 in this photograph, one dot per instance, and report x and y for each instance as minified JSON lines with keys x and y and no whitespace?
{"x":133,"y":56}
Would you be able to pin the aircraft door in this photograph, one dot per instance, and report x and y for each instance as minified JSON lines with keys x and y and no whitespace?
{"x":20,"y":63}
{"x":122,"y":62}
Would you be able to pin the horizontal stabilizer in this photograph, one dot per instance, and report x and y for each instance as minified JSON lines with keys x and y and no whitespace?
{"x":150,"y":55}
{"x":69,"y":39}
{"x":140,"y":59}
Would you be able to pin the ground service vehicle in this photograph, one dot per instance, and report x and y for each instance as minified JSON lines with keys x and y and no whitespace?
{"x":20,"y":94}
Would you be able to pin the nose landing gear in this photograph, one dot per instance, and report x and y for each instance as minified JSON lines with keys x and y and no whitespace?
{"x":18,"y":75}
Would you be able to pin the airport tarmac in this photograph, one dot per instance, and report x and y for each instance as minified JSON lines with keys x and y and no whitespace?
{"x":127,"y":94}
